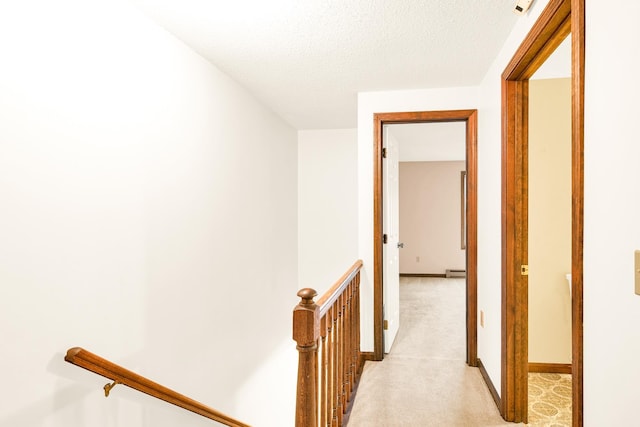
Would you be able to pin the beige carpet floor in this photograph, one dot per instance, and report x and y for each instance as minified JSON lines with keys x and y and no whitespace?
{"x":424,"y":380}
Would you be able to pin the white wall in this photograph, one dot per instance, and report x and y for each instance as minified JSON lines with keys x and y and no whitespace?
{"x":117,"y":149}
{"x":149,"y":214}
{"x":430,"y":217}
{"x":611,"y":212}
{"x":486,"y":98}
{"x":489,"y":198}
{"x":384,"y":102}
{"x":327,"y":206}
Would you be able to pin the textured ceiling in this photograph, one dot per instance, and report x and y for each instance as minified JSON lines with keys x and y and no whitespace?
{"x":308,"y":59}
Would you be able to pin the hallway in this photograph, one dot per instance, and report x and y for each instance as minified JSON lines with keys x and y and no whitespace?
{"x":425,"y":381}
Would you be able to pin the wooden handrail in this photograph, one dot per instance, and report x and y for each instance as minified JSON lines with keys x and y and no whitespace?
{"x":336,"y":290}
{"x":329,"y":358}
{"x":87,"y":360}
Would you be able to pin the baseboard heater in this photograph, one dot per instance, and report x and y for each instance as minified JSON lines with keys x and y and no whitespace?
{"x":455,"y":273}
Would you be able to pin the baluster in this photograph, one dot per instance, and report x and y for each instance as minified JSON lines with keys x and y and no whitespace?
{"x":356,"y":329}
{"x":329,"y":354}
{"x":340,"y":360}
{"x":306,"y":330}
{"x":335,"y":386}
{"x":343,"y":361}
{"x":347,"y":349}
{"x":350,"y":334}
{"x":324,"y":379}
{"x":354,"y":344}
{"x":355,"y":351}
{"x":357,"y":355}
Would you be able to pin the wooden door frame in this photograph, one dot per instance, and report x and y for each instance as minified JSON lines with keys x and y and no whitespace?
{"x":470,"y":117}
{"x":557,"y":20}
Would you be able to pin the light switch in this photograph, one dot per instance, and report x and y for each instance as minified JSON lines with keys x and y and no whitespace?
{"x":637,"y":271}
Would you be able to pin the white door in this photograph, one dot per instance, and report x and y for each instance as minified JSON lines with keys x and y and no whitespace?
{"x":391,"y":269}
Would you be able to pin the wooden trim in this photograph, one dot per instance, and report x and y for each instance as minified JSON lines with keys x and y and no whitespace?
{"x":87,"y":360}
{"x":423,"y":275}
{"x":366,"y":356}
{"x":463,"y":210}
{"x":543,"y":38}
{"x":548,"y":32}
{"x":472,"y":238}
{"x":363,"y":357}
{"x":514,"y":251}
{"x":471,"y":119}
{"x":378,"y":292}
{"x":577,"y":215}
{"x":550,"y":368}
{"x":487,"y":380}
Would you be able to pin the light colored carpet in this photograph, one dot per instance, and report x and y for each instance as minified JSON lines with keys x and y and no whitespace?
{"x":425,"y":381}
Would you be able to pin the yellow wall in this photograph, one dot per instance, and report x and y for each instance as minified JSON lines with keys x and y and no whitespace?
{"x":549,"y":220}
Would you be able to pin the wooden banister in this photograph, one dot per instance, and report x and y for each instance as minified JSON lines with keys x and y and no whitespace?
{"x":338,"y":288}
{"x":329,"y":362}
{"x":87,"y":360}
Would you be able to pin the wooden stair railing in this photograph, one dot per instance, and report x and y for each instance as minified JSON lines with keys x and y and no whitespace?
{"x":328,"y":338}
{"x":119,"y":375}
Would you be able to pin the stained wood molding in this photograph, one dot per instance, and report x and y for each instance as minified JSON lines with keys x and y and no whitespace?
{"x":487,"y":380}
{"x":554,"y":23}
{"x":366,"y":356}
{"x":471,"y":119}
{"x":550,"y":368}
{"x":422,"y":275}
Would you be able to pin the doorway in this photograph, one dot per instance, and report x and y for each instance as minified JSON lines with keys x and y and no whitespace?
{"x":557,"y":20}
{"x":422,"y":211}
{"x":470,"y":118}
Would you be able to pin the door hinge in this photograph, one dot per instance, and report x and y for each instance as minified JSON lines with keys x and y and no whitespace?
{"x":385,"y":325}
{"x":384,"y":153}
{"x":384,"y":239}
{"x":524,"y":270}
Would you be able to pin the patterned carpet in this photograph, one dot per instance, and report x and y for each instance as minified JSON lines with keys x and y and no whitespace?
{"x":549,"y":400}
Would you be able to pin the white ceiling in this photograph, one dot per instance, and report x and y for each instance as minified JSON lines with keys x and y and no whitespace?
{"x":308,"y":59}
{"x":446,"y":141}
{"x":558,"y":65}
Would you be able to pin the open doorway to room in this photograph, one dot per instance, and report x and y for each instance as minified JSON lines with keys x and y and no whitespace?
{"x":549,"y":240}
{"x":469,"y":117}
{"x":424,"y":176}
{"x":557,"y":20}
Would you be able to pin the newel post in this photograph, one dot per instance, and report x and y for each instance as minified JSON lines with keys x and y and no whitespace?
{"x":306,"y":330}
